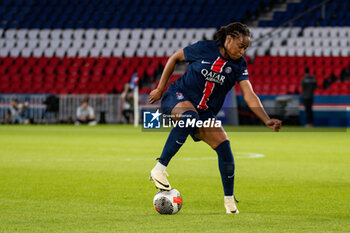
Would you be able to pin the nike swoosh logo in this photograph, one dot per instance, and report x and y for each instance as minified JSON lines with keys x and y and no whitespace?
{"x":205,"y":62}
{"x":166,"y":186}
{"x":231,"y":176}
{"x":180,"y":143}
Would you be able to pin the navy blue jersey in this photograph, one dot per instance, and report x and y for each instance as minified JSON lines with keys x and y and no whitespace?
{"x":209,"y":76}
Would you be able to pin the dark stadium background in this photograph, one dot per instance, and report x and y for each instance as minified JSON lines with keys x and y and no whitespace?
{"x":73,"y":49}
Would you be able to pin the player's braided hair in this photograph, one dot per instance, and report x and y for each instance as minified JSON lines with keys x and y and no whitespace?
{"x":233,"y":29}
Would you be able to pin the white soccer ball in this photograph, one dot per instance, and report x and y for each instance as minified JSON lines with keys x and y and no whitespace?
{"x":167,"y":202}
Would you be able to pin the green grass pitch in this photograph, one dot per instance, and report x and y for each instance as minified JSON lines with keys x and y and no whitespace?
{"x":95,"y":179}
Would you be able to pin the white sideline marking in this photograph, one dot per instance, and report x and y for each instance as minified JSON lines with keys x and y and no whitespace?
{"x":54,"y":160}
{"x":241,"y":155}
{"x":244,"y":155}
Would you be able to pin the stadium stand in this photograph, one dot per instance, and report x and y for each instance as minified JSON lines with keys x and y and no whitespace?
{"x":335,"y":14}
{"x":70,"y":47}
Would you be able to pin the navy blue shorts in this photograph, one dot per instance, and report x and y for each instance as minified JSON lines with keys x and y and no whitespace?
{"x":173,"y":96}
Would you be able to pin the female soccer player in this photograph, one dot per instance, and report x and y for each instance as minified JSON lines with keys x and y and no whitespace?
{"x":214,"y":68}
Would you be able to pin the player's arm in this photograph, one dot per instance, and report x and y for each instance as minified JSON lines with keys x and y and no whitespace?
{"x":169,"y":68}
{"x":255,"y":105}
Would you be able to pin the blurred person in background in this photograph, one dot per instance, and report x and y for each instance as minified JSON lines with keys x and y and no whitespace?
{"x":127,"y":103}
{"x":52,"y":103}
{"x":85,"y":114}
{"x":17,"y":113}
{"x":308,"y":86}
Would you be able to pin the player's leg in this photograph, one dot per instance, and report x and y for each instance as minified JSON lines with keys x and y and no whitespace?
{"x":177,"y":137}
{"x":309,"y":112}
{"x":80,"y":121}
{"x":182,"y":111}
{"x":217,"y":139}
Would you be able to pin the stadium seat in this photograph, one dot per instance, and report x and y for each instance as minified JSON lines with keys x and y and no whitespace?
{"x":82,"y":32}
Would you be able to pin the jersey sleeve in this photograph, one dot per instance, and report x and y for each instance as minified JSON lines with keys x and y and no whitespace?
{"x":243,"y":72}
{"x":193,"y":52}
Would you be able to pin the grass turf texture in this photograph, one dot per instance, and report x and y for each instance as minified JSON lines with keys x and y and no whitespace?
{"x":95,"y":179}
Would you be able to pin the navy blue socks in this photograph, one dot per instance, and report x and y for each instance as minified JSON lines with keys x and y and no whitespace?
{"x":177,"y":137}
{"x":226,"y":166}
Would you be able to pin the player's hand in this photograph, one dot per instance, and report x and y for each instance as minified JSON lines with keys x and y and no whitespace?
{"x":274,"y":124}
{"x":155,"y":95}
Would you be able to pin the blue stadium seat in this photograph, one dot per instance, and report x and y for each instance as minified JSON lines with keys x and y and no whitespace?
{"x":105,"y":12}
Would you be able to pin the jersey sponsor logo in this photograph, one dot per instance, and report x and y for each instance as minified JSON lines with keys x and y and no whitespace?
{"x":228,"y":70}
{"x":245,"y":72}
{"x":205,"y":62}
{"x":213,"y":76}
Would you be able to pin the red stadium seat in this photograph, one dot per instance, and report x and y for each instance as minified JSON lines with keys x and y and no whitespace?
{"x":15,"y":78}
{"x":61,"y":70}
{"x":109,"y":70}
{"x":19,"y":61}
{"x":38,"y":77}
{"x":163,"y":61}
{"x":54,"y":61}
{"x":85,"y":70}
{"x":97,"y":70}
{"x":337,"y":71}
{"x":3,"y":69}
{"x":14,"y":69}
{"x":113,"y":61}
{"x":268,"y":74}
{"x":37,"y":69}
{"x":43,"y":61}
{"x":31,"y":61}
{"x":73,"y":70}
{"x":101,"y":62}
{"x":66,"y":62}
{"x":292,"y":89}
{"x":8,"y":61}
{"x":50,"y":78}
{"x":49,"y":69}
{"x":150,"y":71}
{"x":77,"y":62}
{"x":26,"y":69}
{"x":96,"y":78}
{"x":89,"y":62}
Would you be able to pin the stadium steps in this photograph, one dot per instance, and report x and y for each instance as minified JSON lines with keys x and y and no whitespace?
{"x":281,"y":7}
{"x":334,"y":14}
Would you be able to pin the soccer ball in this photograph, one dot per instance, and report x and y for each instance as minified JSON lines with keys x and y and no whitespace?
{"x":167,"y":202}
